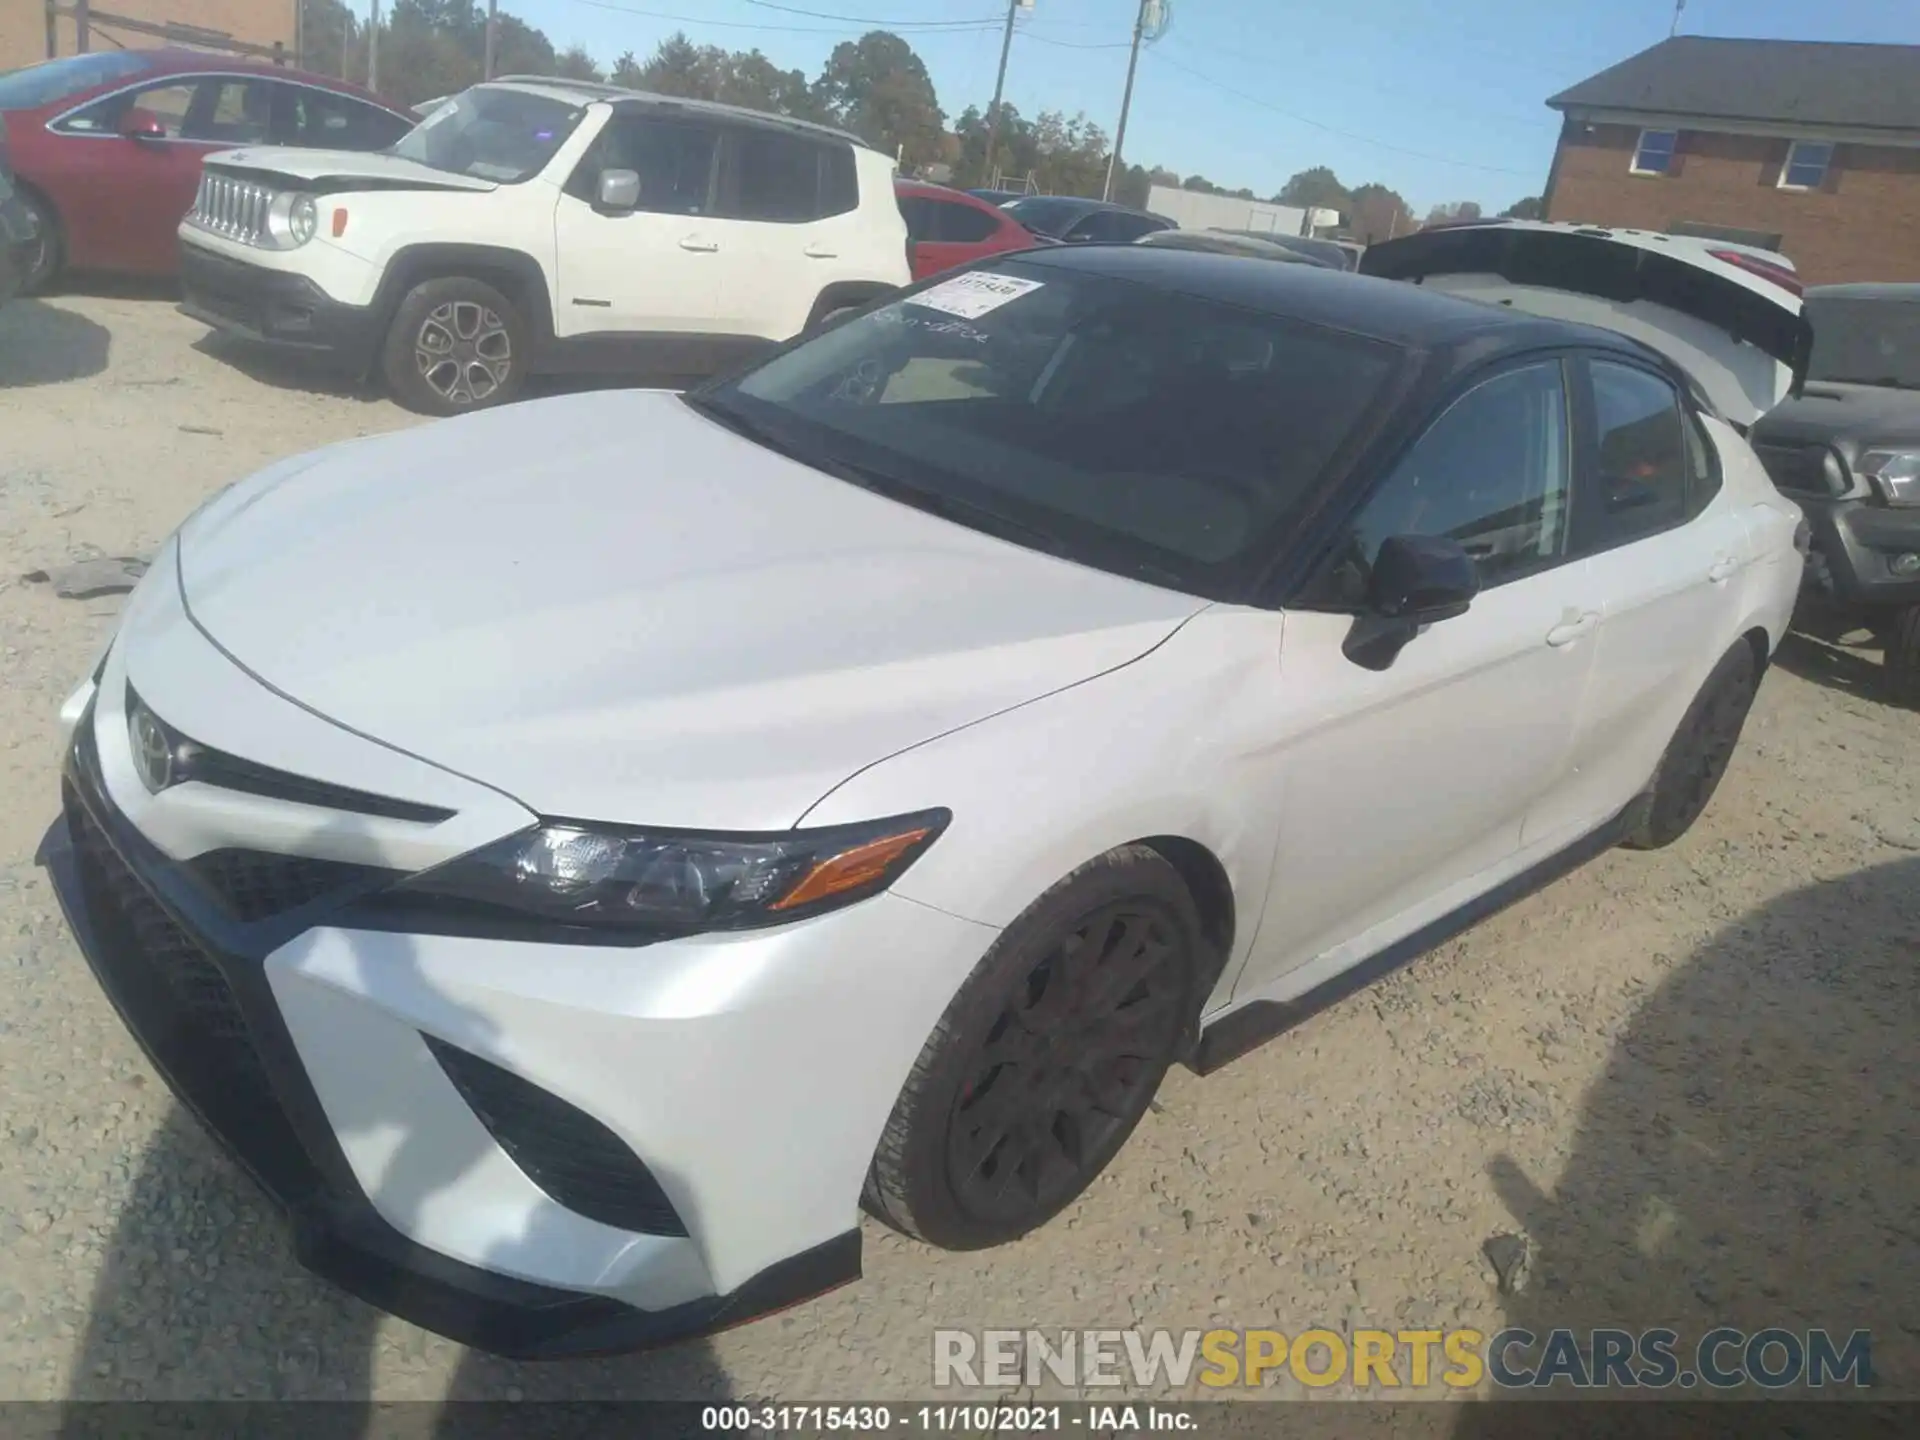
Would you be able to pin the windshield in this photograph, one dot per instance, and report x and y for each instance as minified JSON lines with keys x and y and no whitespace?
{"x":1865,"y":342}
{"x":1131,"y":428}
{"x":53,"y":80}
{"x":492,"y":134}
{"x":1047,"y":214}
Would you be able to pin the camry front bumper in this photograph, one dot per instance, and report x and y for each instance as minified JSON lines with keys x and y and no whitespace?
{"x":541,"y":1151}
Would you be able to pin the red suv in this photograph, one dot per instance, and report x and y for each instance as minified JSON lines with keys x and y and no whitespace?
{"x":946,"y":227}
{"x":106,"y":147}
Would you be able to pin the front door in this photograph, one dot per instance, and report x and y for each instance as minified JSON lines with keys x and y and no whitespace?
{"x":1408,"y":788}
{"x":655,"y":269}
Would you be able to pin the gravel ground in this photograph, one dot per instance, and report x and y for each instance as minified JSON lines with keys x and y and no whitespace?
{"x":1688,"y":1076}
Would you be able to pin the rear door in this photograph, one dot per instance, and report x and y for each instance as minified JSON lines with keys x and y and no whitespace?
{"x":954,"y":234}
{"x":1667,"y":550}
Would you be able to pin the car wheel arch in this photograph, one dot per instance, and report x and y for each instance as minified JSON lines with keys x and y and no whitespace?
{"x":516,"y":274}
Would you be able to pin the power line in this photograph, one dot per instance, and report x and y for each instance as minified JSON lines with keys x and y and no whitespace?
{"x":1164,"y":58}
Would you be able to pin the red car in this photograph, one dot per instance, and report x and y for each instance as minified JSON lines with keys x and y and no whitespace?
{"x":106,"y":147}
{"x":946,"y":227}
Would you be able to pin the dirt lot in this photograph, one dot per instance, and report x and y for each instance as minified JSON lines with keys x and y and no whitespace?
{"x":1689,"y":1076}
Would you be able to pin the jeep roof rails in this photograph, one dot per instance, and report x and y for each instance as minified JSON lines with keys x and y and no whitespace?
{"x":616,"y":94}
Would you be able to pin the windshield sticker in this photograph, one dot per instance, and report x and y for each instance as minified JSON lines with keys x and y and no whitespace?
{"x":974,"y":294}
{"x":957,"y":328}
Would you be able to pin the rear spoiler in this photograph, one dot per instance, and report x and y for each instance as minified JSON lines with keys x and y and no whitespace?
{"x":1605,"y":269}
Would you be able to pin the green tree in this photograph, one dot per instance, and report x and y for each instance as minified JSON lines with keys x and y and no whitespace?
{"x":1317,"y":187}
{"x":878,"y":88}
{"x":1531,"y":208}
{"x":574,"y":63}
{"x":1375,"y":213}
{"x":1201,"y":184}
{"x":1454,"y":212}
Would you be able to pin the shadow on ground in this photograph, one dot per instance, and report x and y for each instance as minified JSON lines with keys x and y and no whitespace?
{"x":1751,"y":1157}
{"x":42,"y":344}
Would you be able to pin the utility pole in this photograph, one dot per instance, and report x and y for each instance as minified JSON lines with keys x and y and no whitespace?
{"x":1000,"y":83}
{"x":493,"y":37}
{"x":1678,"y":7}
{"x":300,"y":34}
{"x":373,"y":48}
{"x":346,"y":43}
{"x":1152,"y":18}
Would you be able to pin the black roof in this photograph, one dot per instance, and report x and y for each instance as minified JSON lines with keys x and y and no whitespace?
{"x":1868,"y":87}
{"x":1395,"y":311}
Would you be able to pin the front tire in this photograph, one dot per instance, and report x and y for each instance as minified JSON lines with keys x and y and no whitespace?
{"x":455,"y":345}
{"x":46,"y":255}
{"x":1902,"y":657}
{"x":1046,"y":1058}
{"x":1698,"y":754}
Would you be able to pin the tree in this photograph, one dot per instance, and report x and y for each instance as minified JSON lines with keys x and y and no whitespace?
{"x":878,"y":88}
{"x":574,"y":63}
{"x":1375,"y":213}
{"x":1531,"y":208}
{"x":1200,"y":184}
{"x":1315,"y":188}
{"x":1455,"y":213}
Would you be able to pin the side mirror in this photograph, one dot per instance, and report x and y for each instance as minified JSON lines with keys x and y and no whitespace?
{"x":143,"y":125}
{"x":619,"y":191}
{"x":1416,"y":581}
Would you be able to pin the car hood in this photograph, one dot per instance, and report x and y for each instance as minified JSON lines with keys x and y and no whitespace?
{"x":328,"y":171}
{"x":611,"y":608}
{"x":1743,"y":340}
{"x":1874,"y":417}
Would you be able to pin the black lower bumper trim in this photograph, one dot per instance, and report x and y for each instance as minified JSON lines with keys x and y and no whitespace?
{"x":197,"y":1001}
{"x":1856,"y":543}
{"x":275,"y":307}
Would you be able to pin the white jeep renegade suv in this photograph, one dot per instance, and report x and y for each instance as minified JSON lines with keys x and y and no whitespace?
{"x":544,"y":226}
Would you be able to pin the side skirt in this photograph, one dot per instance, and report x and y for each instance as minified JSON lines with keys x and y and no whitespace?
{"x":1259,"y":1021}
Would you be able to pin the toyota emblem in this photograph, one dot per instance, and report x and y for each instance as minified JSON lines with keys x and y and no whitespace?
{"x":152,"y":750}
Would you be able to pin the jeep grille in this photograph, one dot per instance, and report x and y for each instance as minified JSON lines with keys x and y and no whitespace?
{"x":231,"y":208}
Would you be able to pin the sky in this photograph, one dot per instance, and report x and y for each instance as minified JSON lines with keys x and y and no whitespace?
{"x":1442,"y":100}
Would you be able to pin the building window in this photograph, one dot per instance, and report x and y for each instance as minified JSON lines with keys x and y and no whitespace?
{"x":1806,"y":167}
{"x":1654,"y":154}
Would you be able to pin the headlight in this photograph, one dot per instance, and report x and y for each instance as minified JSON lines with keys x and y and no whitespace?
{"x":291,"y":221}
{"x":1895,"y":473}
{"x":591,"y":884}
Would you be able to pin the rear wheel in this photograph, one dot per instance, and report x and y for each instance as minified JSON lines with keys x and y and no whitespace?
{"x":455,"y":345}
{"x":1046,"y":1058}
{"x":1902,"y":657}
{"x":1698,"y":754}
{"x":44,"y":253}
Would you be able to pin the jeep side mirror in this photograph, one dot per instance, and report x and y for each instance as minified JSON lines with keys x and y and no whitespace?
{"x":1415,"y":581}
{"x":619,"y":190}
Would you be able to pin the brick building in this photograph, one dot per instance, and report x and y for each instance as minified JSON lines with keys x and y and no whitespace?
{"x":1811,"y":149}
{"x":23,"y":25}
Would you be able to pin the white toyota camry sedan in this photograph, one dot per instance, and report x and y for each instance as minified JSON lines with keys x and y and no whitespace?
{"x":577,"y":856}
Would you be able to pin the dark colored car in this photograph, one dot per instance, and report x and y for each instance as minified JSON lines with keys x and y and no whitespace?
{"x":1073,"y":220}
{"x":948,"y":227}
{"x":1847,"y":450}
{"x":107,"y":146}
{"x":1330,"y":253}
{"x":1231,"y":242}
{"x":998,"y":197}
{"x":18,"y":230}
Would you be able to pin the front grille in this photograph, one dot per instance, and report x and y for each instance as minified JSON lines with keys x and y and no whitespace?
{"x":180,"y":1005}
{"x":565,"y":1151}
{"x":231,"y":208}
{"x":1806,"y":469}
{"x":252,"y":885}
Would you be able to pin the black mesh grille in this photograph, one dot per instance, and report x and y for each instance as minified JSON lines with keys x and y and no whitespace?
{"x":565,"y":1151}
{"x":178,"y":1002}
{"x":252,"y":885}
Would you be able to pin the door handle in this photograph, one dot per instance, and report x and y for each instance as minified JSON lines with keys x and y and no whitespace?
{"x":1723,"y":569}
{"x":1572,"y":628}
{"x":820,"y":252}
{"x":697,"y":243}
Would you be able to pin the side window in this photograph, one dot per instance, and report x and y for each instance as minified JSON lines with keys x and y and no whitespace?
{"x":1644,"y":457}
{"x":1703,"y":468}
{"x":1098,"y":226}
{"x":962,"y":224}
{"x":839,"y":180}
{"x":170,"y":104}
{"x":231,"y":112}
{"x":674,"y":160}
{"x":1494,"y":472}
{"x":319,"y":120}
{"x":920,"y":215}
{"x":774,"y":176}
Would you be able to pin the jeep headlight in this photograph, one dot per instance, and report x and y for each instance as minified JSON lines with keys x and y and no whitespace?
{"x":1895,"y":474}
{"x":291,"y":221}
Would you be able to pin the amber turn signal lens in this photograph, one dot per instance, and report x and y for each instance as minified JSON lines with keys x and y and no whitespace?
{"x":850,"y":869}
{"x":339,"y":223}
